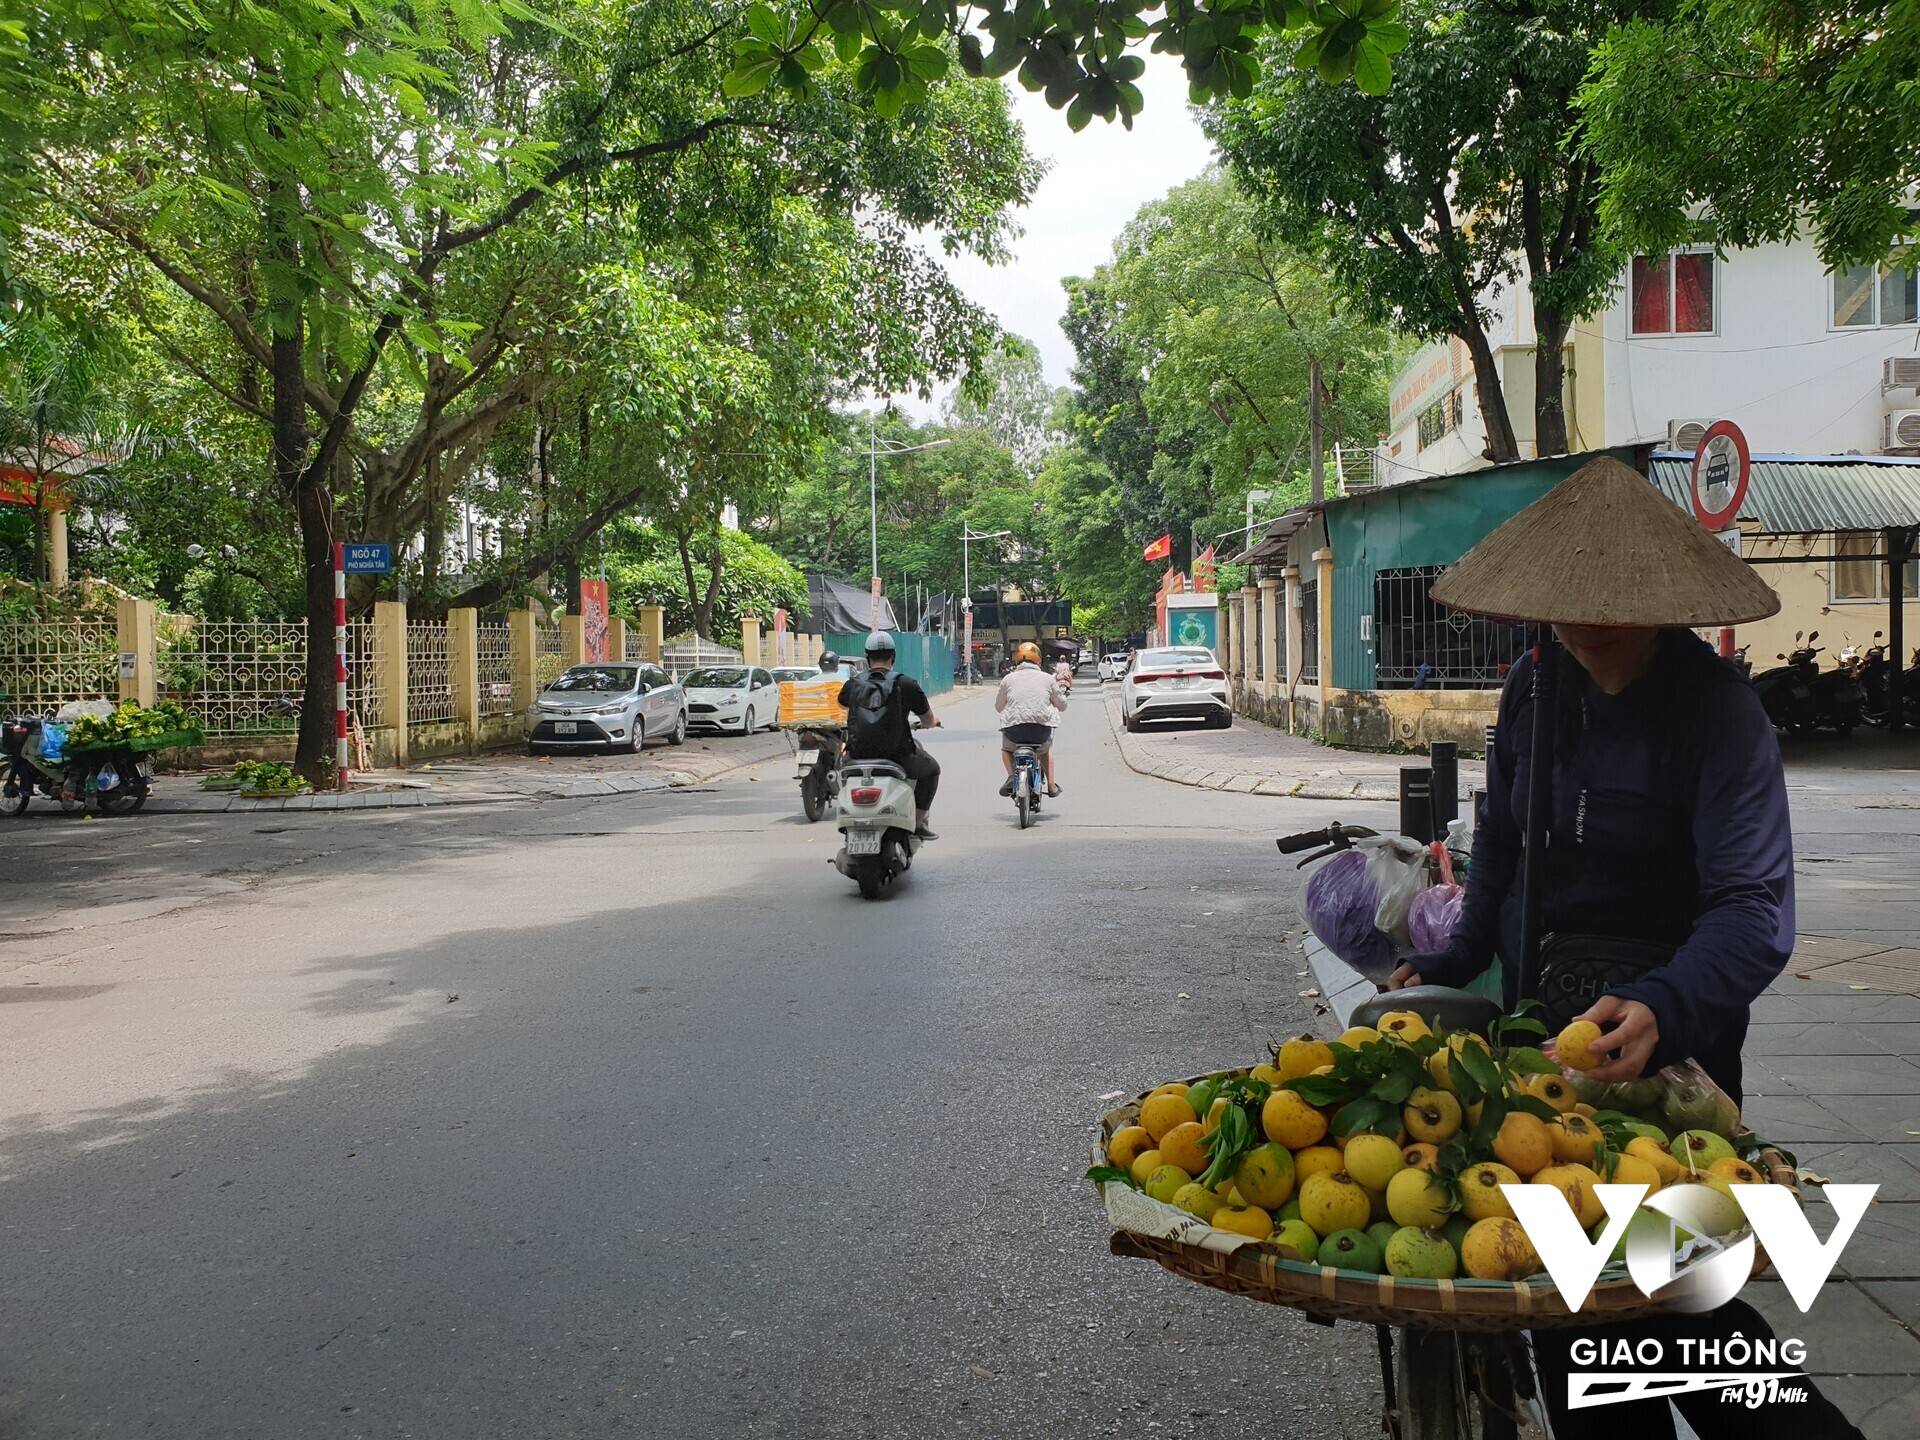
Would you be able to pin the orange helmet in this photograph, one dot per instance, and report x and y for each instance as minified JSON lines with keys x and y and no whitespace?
{"x":1027,"y":650}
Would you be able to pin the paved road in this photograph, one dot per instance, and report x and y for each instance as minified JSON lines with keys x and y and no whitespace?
{"x":629,"y":1117}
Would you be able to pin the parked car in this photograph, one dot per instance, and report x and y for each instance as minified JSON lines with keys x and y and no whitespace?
{"x":732,"y":697}
{"x":1113,"y":665}
{"x":612,"y":704}
{"x":1182,"y":682}
{"x":783,"y":673}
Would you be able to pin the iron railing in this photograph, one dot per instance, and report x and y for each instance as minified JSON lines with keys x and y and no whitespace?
{"x":46,"y":663}
{"x":239,"y":677}
{"x":494,"y":651}
{"x":1421,"y":645}
{"x":429,"y":673}
{"x":1310,"y":632}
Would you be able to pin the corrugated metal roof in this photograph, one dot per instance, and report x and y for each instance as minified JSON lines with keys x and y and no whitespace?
{"x":1805,"y":494}
{"x":1272,"y":544}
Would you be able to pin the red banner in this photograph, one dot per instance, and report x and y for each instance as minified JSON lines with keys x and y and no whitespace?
{"x":18,"y":487}
{"x":1205,"y":571}
{"x":593,"y":620}
{"x":1159,"y":549}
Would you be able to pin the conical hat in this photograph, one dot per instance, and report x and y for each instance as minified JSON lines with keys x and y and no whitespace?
{"x":1603,"y":547}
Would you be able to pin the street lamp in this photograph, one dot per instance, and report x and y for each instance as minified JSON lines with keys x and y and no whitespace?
{"x":875,"y":449}
{"x":967,"y":536}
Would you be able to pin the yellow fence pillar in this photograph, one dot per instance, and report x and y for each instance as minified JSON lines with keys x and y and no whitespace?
{"x":616,"y":638}
{"x":573,"y":639}
{"x":653,"y":632}
{"x":750,"y":650}
{"x":1323,"y":567}
{"x":1250,"y":629}
{"x":390,"y":668}
{"x":1270,"y":636}
{"x":1226,"y":642}
{"x":463,"y":671}
{"x":524,"y":658}
{"x":137,"y":651}
{"x":57,"y":547}
{"x":1292,"y":607}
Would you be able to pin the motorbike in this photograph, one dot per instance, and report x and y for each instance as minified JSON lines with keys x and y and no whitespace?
{"x":1027,"y":788}
{"x":113,"y":781}
{"x":1799,"y":697}
{"x":819,"y":760}
{"x":875,"y":813}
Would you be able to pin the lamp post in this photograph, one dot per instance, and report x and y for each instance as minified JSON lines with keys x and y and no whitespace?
{"x":875,"y":449}
{"x":967,"y":536}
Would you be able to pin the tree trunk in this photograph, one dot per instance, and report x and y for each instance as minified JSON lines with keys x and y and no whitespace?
{"x":570,"y":580}
{"x":1549,"y":383}
{"x":1501,"y":446}
{"x":436,"y":534}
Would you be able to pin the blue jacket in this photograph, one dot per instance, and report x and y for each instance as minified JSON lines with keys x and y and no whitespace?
{"x":1669,"y":823}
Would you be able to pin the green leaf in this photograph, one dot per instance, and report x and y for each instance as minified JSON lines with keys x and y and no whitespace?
{"x":1398,"y":1086}
{"x":1484,"y":1069}
{"x":1366,"y":1113}
{"x":765,"y":24}
{"x":1111,"y":1173}
{"x":847,"y":43}
{"x":1391,"y":36}
{"x":1372,"y":71}
{"x":1535,"y":1106}
{"x":750,"y":77}
{"x":1528,"y":1060}
{"x":1320,"y":1089}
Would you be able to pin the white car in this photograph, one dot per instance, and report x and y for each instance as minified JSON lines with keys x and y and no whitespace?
{"x":1182,"y":682}
{"x":732,"y":697}
{"x":612,"y":704}
{"x":782,"y":673}
{"x":1113,"y":665}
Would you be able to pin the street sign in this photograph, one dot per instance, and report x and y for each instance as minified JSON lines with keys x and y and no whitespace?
{"x":1722,"y":467}
{"x":367,"y":557}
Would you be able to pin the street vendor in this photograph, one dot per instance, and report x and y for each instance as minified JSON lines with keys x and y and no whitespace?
{"x":1668,"y":895}
{"x":1667,"y":903}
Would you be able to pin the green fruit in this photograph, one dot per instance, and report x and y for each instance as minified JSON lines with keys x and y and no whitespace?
{"x":1697,"y":1149}
{"x":1298,"y":1236}
{"x":1201,"y":1097}
{"x":1352,"y":1250}
{"x":1421,"y":1255}
{"x":1166,"y":1182}
{"x":1640,"y":1129}
{"x":1380,"y":1232}
{"x":1197,"y":1199}
{"x":1687,"y":1107}
{"x":1288,"y":1211}
{"x":1456,"y":1232}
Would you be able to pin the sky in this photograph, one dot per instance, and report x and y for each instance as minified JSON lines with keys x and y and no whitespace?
{"x":1096,"y":181}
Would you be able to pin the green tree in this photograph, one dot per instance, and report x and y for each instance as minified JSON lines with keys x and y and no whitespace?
{"x":1769,"y":117}
{"x":1015,"y":404}
{"x":1100,"y":570}
{"x":1424,"y":202}
{"x":645,"y":566}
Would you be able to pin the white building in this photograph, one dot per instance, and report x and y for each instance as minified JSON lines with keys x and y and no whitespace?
{"x":1806,"y":362}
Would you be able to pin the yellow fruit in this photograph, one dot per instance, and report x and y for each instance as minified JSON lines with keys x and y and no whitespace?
{"x":1373,"y":1160}
{"x":1290,"y":1120}
{"x":1418,"y":1199}
{"x":1473,"y":1113}
{"x":1574,"y":1047}
{"x":1480,"y":1195}
{"x":1326,"y":1069}
{"x":1523,"y":1144}
{"x":1403,"y":1025}
{"x":1576,"y":1182}
{"x":1214,"y":1112}
{"x":1196,"y":1199}
{"x":1585,"y":1109}
{"x":1303,"y":1056}
{"x":1575,"y":1140}
{"x":1653,"y":1153}
{"x":1632,"y":1170}
{"x":1185,"y":1146}
{"x":1165,"y":1182}
{"x":1356,"y":1036}
{"x":1421,"y":1157}
{"x":1556,"y":1090}
{"x":1266,"y":1072}
{"x":1497,"y":1248}
{"x":1315,"y":1160}
{"x":1334,"y":1202}
{"x":1144,"y":1164}
{"x":1161,"y":1112}
{"x":1172,"y":1087}
{"x":1266,"y":1176}
{"x":1432,"y":1116}
{"x":1127,"y":1142}
{"x":1248,"y":1220}
{"x":1736,"y":1172}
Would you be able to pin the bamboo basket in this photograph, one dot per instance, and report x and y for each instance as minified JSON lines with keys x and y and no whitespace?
{"x":1189,"y":1247}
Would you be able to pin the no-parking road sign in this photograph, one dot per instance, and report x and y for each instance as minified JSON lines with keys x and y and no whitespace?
{"x":1722,"y":467}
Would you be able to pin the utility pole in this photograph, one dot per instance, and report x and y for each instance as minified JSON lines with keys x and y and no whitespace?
{"x":1316,"y":472}
{"x":874,"y":452}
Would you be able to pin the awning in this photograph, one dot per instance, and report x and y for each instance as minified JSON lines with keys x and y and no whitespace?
{"x":1272,"y":544}
{"x":1810,"y":494}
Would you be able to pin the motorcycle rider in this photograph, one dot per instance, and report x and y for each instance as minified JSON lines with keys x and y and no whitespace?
{"x":891,"y":738}
{"x":1063,"y":674}
{"x":1030,"y":703}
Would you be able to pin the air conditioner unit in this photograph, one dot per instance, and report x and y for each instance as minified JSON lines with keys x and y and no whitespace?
{"x":1903,"y":430}
{"x":1686,"y":435}
{"x":1901,"y":372}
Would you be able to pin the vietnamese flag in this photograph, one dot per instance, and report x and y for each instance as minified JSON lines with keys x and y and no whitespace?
{"x":1159,"y":549}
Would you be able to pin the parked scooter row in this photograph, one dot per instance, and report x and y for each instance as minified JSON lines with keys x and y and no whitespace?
{"x":112,"y":781}
{"x":1885,"y":689}
{"x":1800,"y":697}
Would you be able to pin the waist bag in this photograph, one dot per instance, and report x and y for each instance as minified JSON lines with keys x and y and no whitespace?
{"x":1576,"y":970}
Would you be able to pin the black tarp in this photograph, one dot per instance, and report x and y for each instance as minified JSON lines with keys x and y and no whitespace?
{"x":834,"y":608}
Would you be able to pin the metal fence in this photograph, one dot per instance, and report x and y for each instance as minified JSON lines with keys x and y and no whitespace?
{"x":1257,"y":653}
{"x":45,"y":663}
{"x":429,"y":673}
{"x":690,"y":652}
{"x":240,"y":677}
{"x":495,"y":653}
{"x":636,"y":647}
{"x":1419,"y":645}
{"x":1310,"y":632}
{"x":549,"y":653}
{"x":366,"y":697}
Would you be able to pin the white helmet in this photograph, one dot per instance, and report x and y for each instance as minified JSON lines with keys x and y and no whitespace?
{"x":880,"y":643}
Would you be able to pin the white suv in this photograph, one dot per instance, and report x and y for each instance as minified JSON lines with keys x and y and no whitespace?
{"x":1114,"y":665}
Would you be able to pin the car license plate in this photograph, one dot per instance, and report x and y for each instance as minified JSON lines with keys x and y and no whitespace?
{"x":566,"y":727}
{"x":863,"y":842}
{"x":809,"y":758}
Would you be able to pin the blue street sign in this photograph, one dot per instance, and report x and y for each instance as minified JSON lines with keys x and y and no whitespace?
{"x":368,"y":558}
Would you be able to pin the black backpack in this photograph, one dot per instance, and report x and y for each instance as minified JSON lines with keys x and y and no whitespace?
{"x":872,"y":726}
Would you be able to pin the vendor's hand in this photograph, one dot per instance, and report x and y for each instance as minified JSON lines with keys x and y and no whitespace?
{"x":1405,"y":976}
{"x":930,"y":721}
{"x":1628,"y":1032}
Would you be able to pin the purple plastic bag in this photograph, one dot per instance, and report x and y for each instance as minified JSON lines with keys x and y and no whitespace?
{"x":1431,"y":917}
{"x":1341,"y":901}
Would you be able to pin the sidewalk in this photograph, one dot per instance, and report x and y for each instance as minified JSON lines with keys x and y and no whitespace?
{"x":1261,"y":760}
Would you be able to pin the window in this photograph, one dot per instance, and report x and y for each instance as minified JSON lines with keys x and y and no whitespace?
{"x":1439,"y":419}
{"x":1672,"y":294}
{"x":1418,"y":645}
{"x":1877,"y":295}
{"x":1858,"y":577}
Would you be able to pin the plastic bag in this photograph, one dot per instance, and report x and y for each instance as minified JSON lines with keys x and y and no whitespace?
{"x":1435,"y":910}
{"x":52,"y":743}
{"x":84,"y":709}
{"x":1341,"y":901}
{"x":1397,"y":868}
{"x":1678,"y":1097}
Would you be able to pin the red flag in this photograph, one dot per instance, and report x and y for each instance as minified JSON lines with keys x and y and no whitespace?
{"x":1204,"y":570}
{"x":1159,"y":549}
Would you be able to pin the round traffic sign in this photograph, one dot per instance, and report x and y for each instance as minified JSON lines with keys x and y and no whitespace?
{"x":1722,"y":467}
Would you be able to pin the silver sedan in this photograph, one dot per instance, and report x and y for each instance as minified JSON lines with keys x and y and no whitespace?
{"x":613,"y":704}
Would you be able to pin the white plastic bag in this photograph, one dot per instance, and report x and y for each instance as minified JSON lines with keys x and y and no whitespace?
{"x":1397,"y":868}
{"x":92,"y":709}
